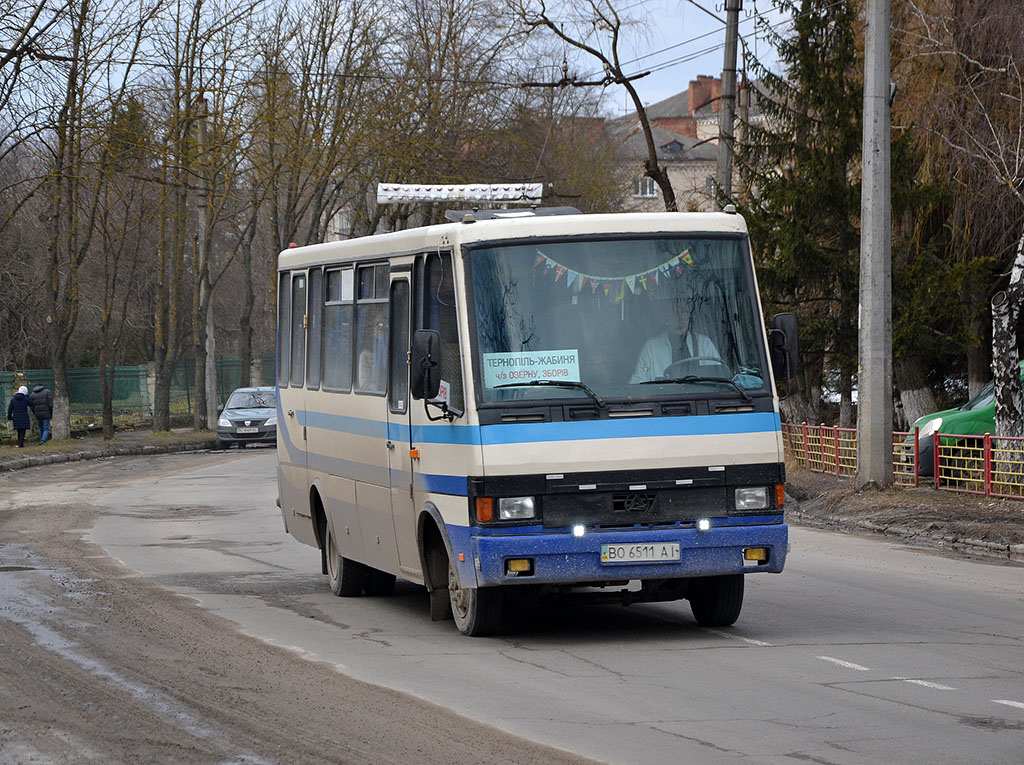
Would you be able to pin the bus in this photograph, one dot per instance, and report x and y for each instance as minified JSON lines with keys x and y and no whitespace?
{"x":535,"y":404}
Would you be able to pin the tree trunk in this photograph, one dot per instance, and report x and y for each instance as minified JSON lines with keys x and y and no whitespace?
{"x":916,"y":396}
{"x":1005,"y":354}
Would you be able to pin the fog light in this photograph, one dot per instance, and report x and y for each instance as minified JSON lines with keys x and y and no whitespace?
{"x":519,"y":566}
{"x":578,"y":530}
{"x":759,"y":554}
{"x":703,"y":524}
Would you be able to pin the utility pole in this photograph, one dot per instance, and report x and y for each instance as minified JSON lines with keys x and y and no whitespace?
{"x":874,"y":377}
{"x":205,"y":290}
{"x":728,"y":100}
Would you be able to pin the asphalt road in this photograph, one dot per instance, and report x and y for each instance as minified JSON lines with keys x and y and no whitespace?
{"x":862,"y":651}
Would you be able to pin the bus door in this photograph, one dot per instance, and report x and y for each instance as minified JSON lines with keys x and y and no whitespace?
{"x":399,"y":428}
{"x":292,"y":404}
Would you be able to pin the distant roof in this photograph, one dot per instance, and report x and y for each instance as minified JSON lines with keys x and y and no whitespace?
{"x":670,"y":145}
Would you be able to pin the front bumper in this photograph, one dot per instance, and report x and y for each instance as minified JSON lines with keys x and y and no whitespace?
{"x":264,"y":435}
{"x":561,"y":558}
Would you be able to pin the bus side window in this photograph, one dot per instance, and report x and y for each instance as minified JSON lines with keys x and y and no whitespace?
{"x":284,"y":330}
{"x":337,"y":331}
{"x":372,"y":329}
{"x":439,"y":314}
{"x":315,"y":312}
{"x":298,"y":328}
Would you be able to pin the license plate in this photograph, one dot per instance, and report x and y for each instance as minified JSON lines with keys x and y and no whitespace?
{"x":640,"y":553}
{"x":247,"y":430}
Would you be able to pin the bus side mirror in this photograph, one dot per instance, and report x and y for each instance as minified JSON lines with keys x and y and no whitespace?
{"x":782,"y":346}
{"x":425,"y":379}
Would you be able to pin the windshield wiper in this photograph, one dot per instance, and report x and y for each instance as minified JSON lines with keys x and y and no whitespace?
{"x":699,"y":379}
{"x":558,"y":383}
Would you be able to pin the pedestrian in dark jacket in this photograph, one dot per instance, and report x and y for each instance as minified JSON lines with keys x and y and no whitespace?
{"x":17,"y":413}
{"x":42,"y":407}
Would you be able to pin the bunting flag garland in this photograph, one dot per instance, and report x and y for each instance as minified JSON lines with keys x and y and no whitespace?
{"x":637,"y":283}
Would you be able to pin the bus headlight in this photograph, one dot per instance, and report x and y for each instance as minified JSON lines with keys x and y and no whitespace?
{"x":752,"y":498}
{"x":516,"y":508}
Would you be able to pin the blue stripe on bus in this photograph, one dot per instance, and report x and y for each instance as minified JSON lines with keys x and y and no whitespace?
{"x":524,"y":433}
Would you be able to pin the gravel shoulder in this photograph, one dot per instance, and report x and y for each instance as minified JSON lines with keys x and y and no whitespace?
{"x":963,"y":524}
{"x":99,"y":665}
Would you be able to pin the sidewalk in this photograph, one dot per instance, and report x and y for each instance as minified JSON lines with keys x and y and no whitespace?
{"x":129,"y":442}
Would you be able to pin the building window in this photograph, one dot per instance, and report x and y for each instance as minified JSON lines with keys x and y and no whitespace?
{"x":646,"y":187}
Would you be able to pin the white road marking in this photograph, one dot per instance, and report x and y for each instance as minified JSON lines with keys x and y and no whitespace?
{"x":751,"y":641}
{"x":1018,"y":704}
{"x":847,"y":664}
{"x":925,"y":683}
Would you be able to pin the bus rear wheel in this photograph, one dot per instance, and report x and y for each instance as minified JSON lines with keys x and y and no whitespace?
{"x":476,"y":610}
{"x":347,"y":576}
{"x":716,"y":601}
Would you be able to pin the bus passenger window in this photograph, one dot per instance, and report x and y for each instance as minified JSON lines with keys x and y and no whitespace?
{"x":337,"y":332}
{"x":284,"y":331}
{"x":316,"y":307}
{"x":372,"y":329}
{"x":298,"y":328}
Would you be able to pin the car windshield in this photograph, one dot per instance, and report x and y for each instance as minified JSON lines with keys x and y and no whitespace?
{"x":616,"y":318}
{"x":984,"y":398}
{"x":257,"y":399}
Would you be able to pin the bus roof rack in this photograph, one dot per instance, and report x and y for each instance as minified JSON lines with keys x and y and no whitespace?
{"x":467,"y":216}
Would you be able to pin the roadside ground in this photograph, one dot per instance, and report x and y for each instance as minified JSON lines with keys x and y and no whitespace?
{"x":953,"y":521}
{"x":959,"y":523}
{"x":92,"y":446}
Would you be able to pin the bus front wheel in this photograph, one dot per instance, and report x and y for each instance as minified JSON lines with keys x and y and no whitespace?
{"x":347,"y":577}
{"x":476,"y":610}
{"x":716,"y":601}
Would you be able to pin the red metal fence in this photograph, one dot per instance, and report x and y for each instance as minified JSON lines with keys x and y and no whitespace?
{"x":988,"y":465}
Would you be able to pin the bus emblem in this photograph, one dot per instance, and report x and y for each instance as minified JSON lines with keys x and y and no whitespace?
{"x":639,"y":502}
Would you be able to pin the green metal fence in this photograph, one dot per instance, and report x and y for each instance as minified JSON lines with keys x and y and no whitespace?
{"x":133,"y":390}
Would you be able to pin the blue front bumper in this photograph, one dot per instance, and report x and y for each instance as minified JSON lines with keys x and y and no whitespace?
{"x":561,"y":558}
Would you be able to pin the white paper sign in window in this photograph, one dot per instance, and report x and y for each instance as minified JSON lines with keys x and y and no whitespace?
{"x":505,"y":368}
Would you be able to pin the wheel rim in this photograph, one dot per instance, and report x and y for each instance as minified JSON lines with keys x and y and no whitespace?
{"x":458,"y":595}
{"x":332,"y":556}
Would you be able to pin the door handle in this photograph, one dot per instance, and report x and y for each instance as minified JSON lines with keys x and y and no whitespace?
{"x":391,"y":444}
{"x":291,"y":412}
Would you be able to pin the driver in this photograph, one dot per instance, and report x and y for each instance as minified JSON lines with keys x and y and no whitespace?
{"x":678,"y":342}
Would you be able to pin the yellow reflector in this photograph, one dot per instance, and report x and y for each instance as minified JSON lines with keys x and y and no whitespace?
{"x":519,"y":565}
{"x":755,"y":553}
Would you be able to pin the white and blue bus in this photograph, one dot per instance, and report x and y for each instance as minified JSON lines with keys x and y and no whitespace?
{"x":534,"y":404}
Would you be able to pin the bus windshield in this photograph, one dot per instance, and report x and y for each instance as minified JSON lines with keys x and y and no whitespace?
{"x":616,"y":318}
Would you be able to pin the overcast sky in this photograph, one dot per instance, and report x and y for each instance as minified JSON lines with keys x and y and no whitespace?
{"x":680,"y":42}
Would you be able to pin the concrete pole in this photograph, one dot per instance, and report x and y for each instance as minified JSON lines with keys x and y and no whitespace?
{"x":204,"y":283}
{"x":874,"y":378}
{"x":728,"y":102}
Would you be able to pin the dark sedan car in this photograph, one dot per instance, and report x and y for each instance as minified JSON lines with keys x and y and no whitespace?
{"x":248,"y":417}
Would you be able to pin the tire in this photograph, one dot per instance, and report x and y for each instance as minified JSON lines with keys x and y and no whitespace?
{"x":476,"y":610}
{"x":378,"y":583}
{"x":222,"y":445}
{"x":716,"y":601}
{"x":347,"y":577}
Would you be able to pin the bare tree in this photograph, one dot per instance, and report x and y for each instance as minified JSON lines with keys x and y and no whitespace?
{"x":597,"y":30}
{"x":982,"y":41}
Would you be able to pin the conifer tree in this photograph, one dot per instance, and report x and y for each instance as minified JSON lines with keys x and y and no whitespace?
{"x":800,"y":166}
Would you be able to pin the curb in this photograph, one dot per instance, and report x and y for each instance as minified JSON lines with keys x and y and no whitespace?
{"x":979,"y":547}
{"x":110,"y":450}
